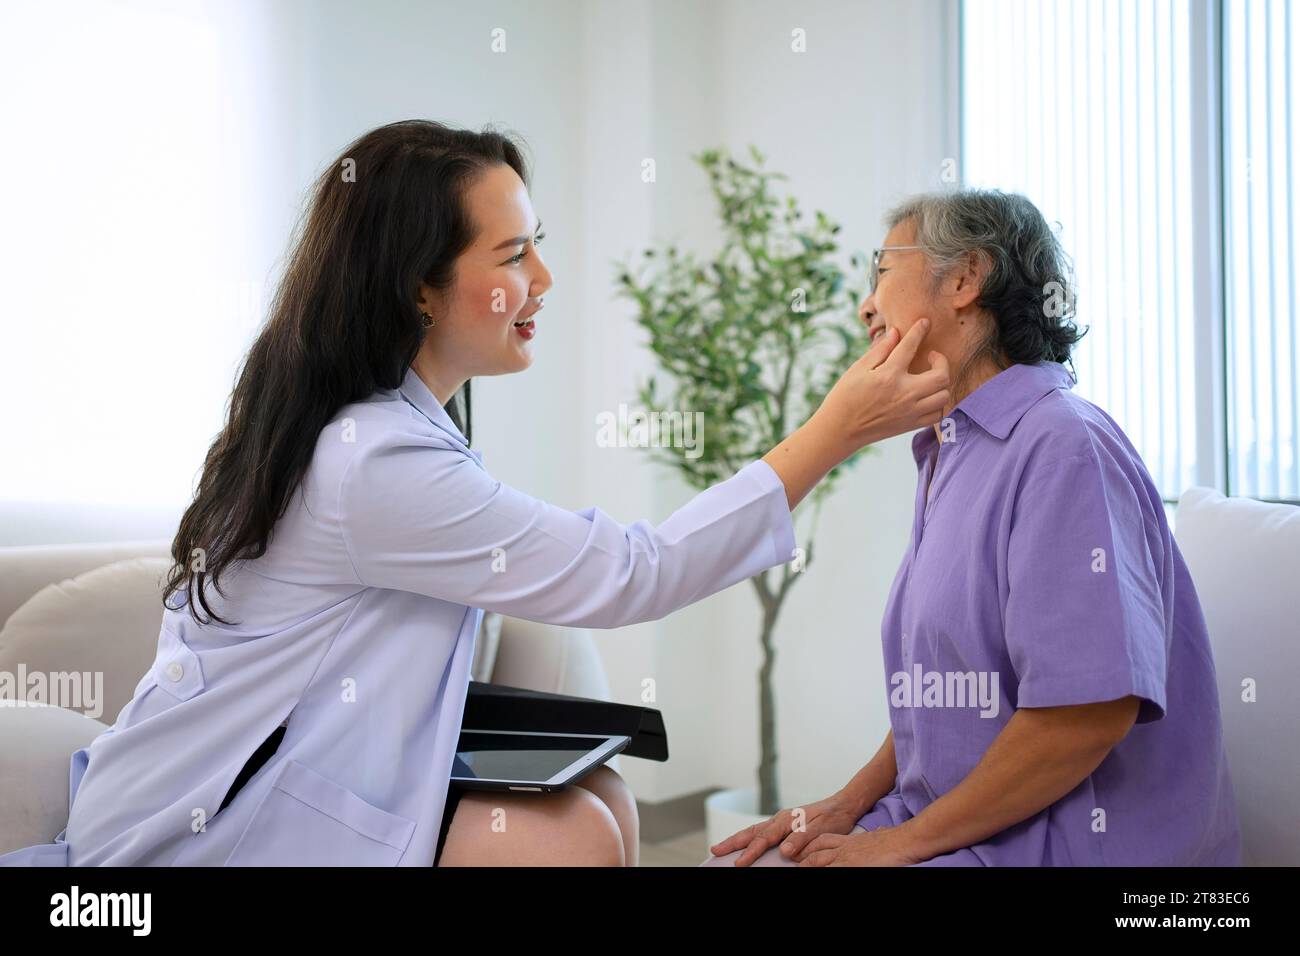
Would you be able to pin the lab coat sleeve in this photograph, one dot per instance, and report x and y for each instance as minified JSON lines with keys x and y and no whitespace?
{"x":430,"y":520}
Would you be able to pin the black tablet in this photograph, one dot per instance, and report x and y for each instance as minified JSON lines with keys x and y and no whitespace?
{"x":529,"y":761}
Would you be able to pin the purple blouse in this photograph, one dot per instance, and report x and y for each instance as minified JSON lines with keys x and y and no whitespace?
{"x":1041,"y":572}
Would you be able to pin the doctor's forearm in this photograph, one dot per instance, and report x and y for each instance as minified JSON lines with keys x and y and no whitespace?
{"x":875,"y":398}
{"x":1030,"y":765}
{"x":804,"y":458}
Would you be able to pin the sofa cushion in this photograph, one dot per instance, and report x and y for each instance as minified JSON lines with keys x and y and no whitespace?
{"x":1244,"y":557}
{"x":106,"y":622}
{"x":103,"y":623}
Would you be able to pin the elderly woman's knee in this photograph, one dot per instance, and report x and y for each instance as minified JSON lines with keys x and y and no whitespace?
{"x":769,"y":857}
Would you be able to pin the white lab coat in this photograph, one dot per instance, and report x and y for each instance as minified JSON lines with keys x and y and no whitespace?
{"x":357,"y":627}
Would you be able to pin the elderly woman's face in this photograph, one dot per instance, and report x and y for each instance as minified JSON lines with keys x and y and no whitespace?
{"x":905,"y":293}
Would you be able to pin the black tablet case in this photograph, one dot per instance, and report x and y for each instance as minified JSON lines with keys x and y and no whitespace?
{"x":496,"y":707}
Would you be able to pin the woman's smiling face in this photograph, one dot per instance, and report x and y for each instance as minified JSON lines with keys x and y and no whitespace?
{"x":903,"y":293}
{"x":484,"y":324}
{"x":906,"y":292}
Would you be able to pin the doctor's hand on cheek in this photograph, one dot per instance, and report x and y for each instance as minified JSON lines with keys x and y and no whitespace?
{"x":876,"y":398}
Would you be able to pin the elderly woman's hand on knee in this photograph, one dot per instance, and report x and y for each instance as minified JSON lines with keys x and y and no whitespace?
{"x":793,"y":829}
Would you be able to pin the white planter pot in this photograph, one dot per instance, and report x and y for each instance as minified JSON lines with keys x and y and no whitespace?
{"x":727,"y":811}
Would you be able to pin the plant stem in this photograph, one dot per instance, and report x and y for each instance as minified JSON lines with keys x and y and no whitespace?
{"x":769,"y":798}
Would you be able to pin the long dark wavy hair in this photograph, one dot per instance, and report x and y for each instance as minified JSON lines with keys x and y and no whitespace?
{"x":386,"y":215}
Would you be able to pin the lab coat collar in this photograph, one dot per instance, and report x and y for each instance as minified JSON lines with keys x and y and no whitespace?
{"x":417,"y":393}
{"x":998,"y":405}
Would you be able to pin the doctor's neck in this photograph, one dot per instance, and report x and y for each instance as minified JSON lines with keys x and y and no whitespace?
{"x":443,"y":382}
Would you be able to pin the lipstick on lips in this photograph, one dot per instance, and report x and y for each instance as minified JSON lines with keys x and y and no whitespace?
{"x":525,"y":326}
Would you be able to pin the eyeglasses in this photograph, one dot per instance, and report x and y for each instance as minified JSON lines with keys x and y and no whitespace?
{"x":875,"y":261}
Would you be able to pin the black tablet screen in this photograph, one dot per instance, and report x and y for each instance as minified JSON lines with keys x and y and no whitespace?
{"x":516,"y":757}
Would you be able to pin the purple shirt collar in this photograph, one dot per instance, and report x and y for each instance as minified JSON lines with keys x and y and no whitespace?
{"x":999,"y":404}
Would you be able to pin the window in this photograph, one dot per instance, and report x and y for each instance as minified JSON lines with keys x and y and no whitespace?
{"x":131,"y":262}
{"x":1261,"y":112}
{"x":1158,"y":134}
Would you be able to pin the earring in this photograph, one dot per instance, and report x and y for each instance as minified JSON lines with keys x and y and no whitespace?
{"x":428,"y":320}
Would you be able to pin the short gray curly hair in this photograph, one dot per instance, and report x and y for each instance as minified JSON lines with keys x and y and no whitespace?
{"x":1029,"y":288}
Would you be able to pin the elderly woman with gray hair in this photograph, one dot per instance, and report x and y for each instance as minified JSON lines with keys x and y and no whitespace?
{"x":1051,"y":688}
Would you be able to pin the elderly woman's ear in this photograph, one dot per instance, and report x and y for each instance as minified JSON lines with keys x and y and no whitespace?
{"x":964,"y":283}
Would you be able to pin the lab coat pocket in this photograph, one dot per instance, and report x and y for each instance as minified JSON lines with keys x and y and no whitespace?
{"x":308,"y":820}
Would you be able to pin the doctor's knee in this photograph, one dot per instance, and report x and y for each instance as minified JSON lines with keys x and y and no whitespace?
{"x":571,"y":828}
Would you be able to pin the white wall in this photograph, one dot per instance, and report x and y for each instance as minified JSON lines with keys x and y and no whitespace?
{"x":857,"y":121}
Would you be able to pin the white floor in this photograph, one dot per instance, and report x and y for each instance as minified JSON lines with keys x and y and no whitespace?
{"x":690,"y":849}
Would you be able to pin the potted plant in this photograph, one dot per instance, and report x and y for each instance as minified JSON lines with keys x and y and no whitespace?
{"x":755,"y":336}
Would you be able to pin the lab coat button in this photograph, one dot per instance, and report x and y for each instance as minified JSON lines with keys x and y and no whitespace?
{"x":177,"y":669}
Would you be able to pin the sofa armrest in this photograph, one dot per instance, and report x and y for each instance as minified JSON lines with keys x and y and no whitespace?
{"x":557,"y":660}
{"x":36,"y":747}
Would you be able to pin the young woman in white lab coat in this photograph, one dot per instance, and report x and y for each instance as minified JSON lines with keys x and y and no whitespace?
{"x":332,"y":570}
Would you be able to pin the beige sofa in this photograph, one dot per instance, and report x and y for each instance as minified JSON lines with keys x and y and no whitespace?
{"x":79,"y":608}
{"x":71,"y":609}
{"x":1244,"y":557}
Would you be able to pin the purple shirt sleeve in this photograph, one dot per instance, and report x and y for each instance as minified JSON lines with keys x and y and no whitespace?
{"x":1085,"y":619}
